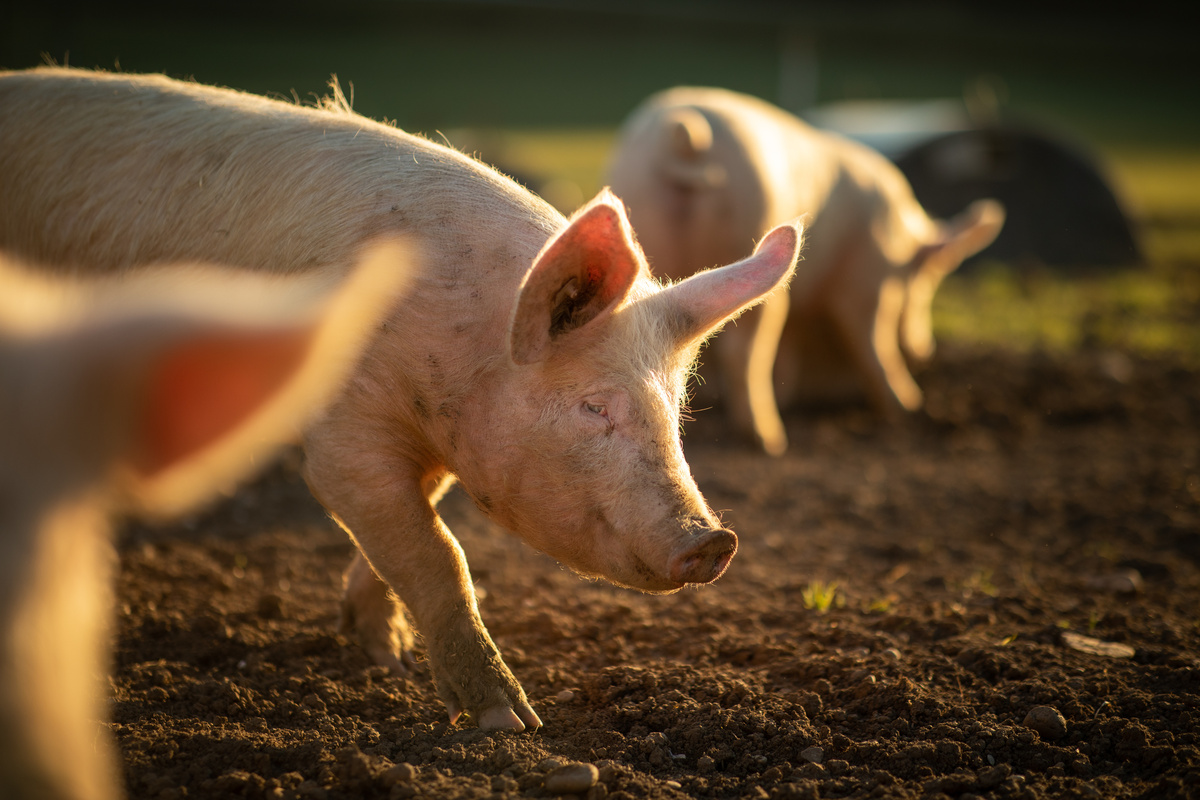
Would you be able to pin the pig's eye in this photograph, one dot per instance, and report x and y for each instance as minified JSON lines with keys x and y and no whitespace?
{"x":596,"y":408}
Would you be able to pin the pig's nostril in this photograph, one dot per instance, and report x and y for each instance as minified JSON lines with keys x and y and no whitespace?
{"x":706,"y":560}
{"x":721,"y":563}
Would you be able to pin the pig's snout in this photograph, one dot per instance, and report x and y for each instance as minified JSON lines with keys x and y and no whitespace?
{"x":704,"y":558}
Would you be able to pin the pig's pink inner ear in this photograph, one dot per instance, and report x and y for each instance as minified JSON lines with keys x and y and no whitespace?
{"x":203,"y":388}
{"x":582,"y":273}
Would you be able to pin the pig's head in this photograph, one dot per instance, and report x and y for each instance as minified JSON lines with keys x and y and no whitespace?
{"x":583,"y":457}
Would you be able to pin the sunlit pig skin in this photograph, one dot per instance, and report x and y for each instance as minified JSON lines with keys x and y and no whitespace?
{"x":534,"y":359}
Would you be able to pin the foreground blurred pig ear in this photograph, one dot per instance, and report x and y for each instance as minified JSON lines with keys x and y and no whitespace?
{"x":582,"y":274}
{"x":218,"y":391}
{"x":699,"y":305}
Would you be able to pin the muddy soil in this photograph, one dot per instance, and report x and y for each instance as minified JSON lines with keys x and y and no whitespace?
{"x":1015,"y":615}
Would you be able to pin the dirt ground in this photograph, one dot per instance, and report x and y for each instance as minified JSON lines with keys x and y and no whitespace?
{"x":1016,"y":615}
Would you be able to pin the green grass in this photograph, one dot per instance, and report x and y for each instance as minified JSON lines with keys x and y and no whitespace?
{"x":1151,"y":310}
{"x":820,"y":596}
{"x":1162,"y":182}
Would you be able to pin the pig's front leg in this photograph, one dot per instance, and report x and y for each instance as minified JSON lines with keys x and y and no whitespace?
{"x":396,"y":528}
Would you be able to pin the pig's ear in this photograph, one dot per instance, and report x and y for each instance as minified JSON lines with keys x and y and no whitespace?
{"x":961,"y":237}
{"x":977,"y":227}
{"x":582,"y":274}
{"x":216,"y":395}
{"x":700,"y":304}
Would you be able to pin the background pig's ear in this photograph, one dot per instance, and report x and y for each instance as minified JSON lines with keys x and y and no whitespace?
{"x":584,"y":272}
{"x":960,"y":238}
{"x":212,"y":390}
{"x":976,"y":228}
{"x":700,"y":304}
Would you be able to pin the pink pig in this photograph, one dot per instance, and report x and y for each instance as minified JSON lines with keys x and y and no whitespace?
{"x":534,"y":360}
{"x":706,"y":171}
{"x":147,"y":393}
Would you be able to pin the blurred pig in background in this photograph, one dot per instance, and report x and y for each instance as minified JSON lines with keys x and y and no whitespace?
{"x":146,"y":394}
{"x":706,"y":171}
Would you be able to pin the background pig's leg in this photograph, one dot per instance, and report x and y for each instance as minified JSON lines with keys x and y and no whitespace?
{"x":745,"y":355}
{"x":760,"y":373}
{"x":373,"y":614}
{"x":382,"y":504}
{"x":870,"y":322}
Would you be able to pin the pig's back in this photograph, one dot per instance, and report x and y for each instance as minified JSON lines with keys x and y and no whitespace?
{"x":765,"y":168}
{"x":119,"y":171}
{"x":696,"y":205}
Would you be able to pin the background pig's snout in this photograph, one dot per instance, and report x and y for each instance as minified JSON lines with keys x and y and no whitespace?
{"x":704,"y":558}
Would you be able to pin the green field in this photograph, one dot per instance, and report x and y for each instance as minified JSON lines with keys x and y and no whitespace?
{"x":1152,"y":310}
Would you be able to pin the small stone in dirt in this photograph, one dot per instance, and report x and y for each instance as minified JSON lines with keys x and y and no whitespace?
{"x":565,"y":696}
{"x":1125,"y":581}
{"x":398,"y":773}
{"x":1095,"y":647}
{"x":549,"y":764}
{"x":813,"y":754}
{"x":1046,"y":721}
{"x":574,"y":778}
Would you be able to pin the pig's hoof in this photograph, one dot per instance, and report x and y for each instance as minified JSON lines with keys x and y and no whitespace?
{"x":503,"y":718}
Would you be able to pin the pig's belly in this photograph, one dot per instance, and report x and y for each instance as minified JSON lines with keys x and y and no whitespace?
{"x":814,"y":365}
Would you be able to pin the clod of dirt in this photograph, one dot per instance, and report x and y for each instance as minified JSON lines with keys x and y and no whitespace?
{"x":1046,"y":722}
{"x":990,"y":777}
{"x":574,"y":778}
{"x":270,"y":606}
{"x":399,"y":773}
